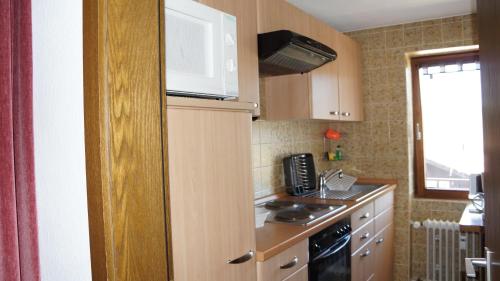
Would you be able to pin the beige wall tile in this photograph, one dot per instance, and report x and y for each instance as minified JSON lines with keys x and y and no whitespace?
{"x":413,"y":36}
{"x":394,"y":38}
{"x":453,"y":31}
{"x":432,"y":34}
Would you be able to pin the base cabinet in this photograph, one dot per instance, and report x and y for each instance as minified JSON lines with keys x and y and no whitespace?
{"x":290,"y":265}
{"x":373,"y":256}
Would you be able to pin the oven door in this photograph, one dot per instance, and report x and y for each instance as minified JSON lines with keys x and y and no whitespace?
{"x":334,"y":263}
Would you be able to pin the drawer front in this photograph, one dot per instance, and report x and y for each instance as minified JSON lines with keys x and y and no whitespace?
{"x":362,"y":264}
{"x":362,"y":236}
{"x":301,"y":275}
{"x":384,"y":219}
{"x":362,"y":216}
{"x":284,"y":264}
{"x":384,"y":202}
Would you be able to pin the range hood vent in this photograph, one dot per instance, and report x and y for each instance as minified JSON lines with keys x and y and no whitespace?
{"x":284,"y":52}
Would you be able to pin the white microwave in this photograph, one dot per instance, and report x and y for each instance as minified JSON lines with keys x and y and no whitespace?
{"x":201,"y":51}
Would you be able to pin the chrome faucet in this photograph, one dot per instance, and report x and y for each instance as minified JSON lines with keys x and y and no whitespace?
{"x":325,"y":177}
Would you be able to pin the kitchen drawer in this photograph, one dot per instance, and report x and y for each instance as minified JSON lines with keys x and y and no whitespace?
{"x":362,"y":236}
{"x":363,"y":264}
{"x":384,"y":202}
{"x":301,"y":275}
{"x":384,"y":219}
{"x":362,"y":216}
{"x":284,"y":264}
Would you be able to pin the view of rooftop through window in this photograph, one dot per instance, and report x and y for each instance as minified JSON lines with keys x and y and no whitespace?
{"x":452,"y":124}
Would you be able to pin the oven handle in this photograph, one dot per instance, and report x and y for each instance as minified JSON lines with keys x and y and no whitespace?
{"x":334,"y":249}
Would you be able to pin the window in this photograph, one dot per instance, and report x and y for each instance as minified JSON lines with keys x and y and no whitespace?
{"x":448,"y":124}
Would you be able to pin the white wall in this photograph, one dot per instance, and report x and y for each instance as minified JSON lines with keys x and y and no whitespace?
{"x":59,"y":140}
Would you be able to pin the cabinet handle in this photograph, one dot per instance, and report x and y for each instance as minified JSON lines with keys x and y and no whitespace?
{"x":365,"y":216}
{"x":248,"y":256}
{"x":364,"y":236}
{"x":255,"y":105}
{"x":346,"y":114}
{"x":380,"y":241}
{"x":291,"y":264}
{"x":366,"y":253}
{"x":334,"y":113}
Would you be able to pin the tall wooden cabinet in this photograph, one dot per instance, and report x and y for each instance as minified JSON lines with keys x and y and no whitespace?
{"x":211,"y":192}
{"x":248,"y":63}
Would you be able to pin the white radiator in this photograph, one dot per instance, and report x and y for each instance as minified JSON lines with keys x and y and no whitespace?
{"x":447,"y":248}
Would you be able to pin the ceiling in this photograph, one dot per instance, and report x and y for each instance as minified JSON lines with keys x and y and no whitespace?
{"x":350,"y":15}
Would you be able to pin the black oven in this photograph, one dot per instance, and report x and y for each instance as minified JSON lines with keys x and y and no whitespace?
{"x":330,"y":253}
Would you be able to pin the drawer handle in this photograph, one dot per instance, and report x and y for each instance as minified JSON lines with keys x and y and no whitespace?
{"x":335,"y":113}
{"x":346,"y":114}
{"x":365,"y":216}
{"x":248,"y":256}
{"x":366,"y":253}
{"x":364,"y":236}
{"x":380,"y":241}
{"x":291,"y":264}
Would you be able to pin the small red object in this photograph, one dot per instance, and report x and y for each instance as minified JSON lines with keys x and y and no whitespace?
{"x":332,"y":134}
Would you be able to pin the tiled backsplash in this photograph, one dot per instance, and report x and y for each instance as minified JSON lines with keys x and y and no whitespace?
{"x":272,"y":141}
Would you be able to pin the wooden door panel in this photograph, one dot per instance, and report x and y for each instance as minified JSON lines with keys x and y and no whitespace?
{"x":489,"y":32}
{"x":211,"y":194}
{"x":350,"y":77}
{"x":384,"y":255}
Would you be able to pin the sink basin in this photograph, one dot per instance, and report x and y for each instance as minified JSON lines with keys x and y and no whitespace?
{"x":356,"y":192}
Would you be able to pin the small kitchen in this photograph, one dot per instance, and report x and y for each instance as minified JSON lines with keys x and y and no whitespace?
{"x":288,"y":146}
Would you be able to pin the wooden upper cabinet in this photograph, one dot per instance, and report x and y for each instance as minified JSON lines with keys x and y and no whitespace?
{"x":212,"y":212}
{"x":324,"y":80}
{"x":278,"y":14}
{"x":330,"y":92}
{"x":350,"y":79}
{"x":245,"y":12}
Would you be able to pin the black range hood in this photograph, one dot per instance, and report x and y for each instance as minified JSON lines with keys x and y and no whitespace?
{"x":285,"y":52}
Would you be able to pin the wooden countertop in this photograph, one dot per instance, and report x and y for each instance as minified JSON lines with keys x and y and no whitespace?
{"x":471,"y":222}
{"x":274,"y":238}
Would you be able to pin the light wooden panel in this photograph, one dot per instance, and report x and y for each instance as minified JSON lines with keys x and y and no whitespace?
{"x":123,"y":140}
{"x":350,"y":77}
{"x":270,"y":270}
{"x":279,"y":14}
{"x":248,"y":64}
{"x":324,"y":80}
{"x":301,"y":275}
{"x":211,"y":194}
{"x":383,"y":245}
{"x":287,"y":97}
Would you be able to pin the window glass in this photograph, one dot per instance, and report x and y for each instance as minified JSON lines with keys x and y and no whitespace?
{"x":452,"y":126}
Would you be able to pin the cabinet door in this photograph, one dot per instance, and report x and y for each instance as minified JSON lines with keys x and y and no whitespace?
{"x":324,"y":80}
{"x":245,"y":12}
{"x":286,"y":97}
{"x":383,"y":247}
{"x":279,"y":14}
{"x":211,"y":194}
{"x":350,"y":79}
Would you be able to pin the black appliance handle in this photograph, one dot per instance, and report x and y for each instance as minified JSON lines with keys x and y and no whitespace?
{"x":334,"y":249}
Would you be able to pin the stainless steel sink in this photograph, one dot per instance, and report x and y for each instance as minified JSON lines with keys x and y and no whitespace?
{"x":356,"y":192}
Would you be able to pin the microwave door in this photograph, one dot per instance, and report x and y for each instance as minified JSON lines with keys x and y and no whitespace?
{"x":194,"y":49}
